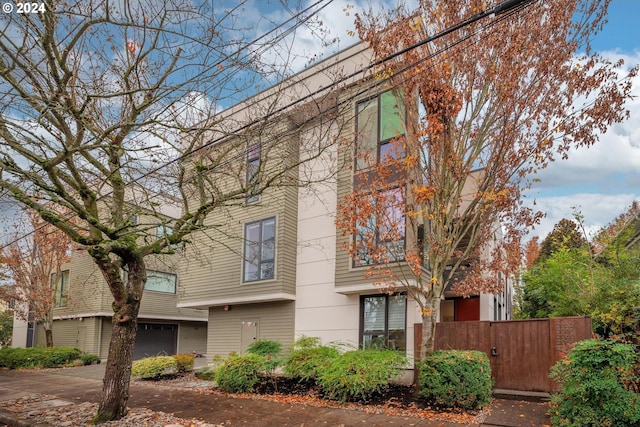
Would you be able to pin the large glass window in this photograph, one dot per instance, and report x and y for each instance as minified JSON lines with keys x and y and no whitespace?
{"x":61,"y":288}
{"x":381,"y":235}
{"x":161,"y":282}
{"x":259,"y":250}
{"x":383,"y":322}
{"x":253,"y":168}
{"x":379,"y":124}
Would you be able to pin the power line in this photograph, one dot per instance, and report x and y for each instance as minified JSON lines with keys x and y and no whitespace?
{"x":501,"y":11}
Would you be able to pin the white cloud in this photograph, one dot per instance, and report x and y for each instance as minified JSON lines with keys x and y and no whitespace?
{"x":598,"y":210}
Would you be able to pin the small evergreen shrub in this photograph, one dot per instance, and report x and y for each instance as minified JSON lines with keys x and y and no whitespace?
{"x":359,"y":374}
{"x":595,"y":386}
{"x":270,"y":350}
{"x":90,"y":359}
{"x":20,"y":358}
{"x":240,"y":374}
{"x":154,"y":367}
{"x":15,"y":358}
{"x":185,"y":362}
{"x":307,"y":363}
{"x":58,"y":356}
{"x":456,"y":378}
{"x":305,"y":342}
{"x":207,"y":373}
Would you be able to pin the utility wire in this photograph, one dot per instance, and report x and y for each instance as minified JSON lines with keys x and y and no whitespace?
{"x":507,"y":8}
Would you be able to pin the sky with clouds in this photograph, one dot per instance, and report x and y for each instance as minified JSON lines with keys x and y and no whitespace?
{"x":601,"y":181}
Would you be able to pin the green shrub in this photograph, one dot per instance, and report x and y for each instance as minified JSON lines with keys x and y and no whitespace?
{"x":59,"y":356}
{"x":208,"y":373}
{"x":185,"y":362}
{"x":240,"y":374}
{"x":456,"y":378}
{"x":153,"y":367}
{"x":357,"y":375}
{"x":594,"y":382}
{"x":307,"y":363}
{"x":90,"y":359}
{"x":20,"y":358}
{"x":305,"y":342}
{"x":270,"y":350}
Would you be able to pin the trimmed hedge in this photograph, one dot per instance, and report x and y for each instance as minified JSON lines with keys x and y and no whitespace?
{"x":154,"y":367}
{"x":456,"y":378}
{"x":240,"y":374}
{"x":595,"y":386}
{"x":20,"y":358}
{"x":357,"y":375}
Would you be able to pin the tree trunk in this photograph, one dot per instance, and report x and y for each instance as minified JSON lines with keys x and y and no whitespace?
{"x":430,"y":317}
{"x":115,"y":385}
{"x":48,"y":333}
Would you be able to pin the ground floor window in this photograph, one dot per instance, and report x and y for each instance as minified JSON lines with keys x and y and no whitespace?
{"x":383,"y":321}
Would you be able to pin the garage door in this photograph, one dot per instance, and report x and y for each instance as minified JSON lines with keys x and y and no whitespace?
{"x":155,"y":339}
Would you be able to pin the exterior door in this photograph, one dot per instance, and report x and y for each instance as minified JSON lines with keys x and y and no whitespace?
{"x":81,"y":339}
{"x":520,"y":355}
{"x":248,"y":334}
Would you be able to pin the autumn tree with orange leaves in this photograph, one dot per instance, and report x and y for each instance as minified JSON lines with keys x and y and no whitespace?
{"x":483,"y":108}
{"x":33,"y":267}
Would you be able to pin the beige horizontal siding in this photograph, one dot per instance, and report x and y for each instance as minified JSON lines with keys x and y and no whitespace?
{"x":275,"y":322}
{"x":192,"y":337}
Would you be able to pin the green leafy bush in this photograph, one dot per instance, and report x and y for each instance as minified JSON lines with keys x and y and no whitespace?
{"x":208,"y":373}
{"x":185,"y":362}
{"x":19,"y":358}
{"x":307,"y":363}
{"x":456,"y":378}
{"x":594,"y":386}
{"x":59,"y":356}
{"x":153,"y":367}
{"x":306,"y":342}
{"x":240,"y":374}
{"x":90,"y":359}
{"x":357,"y":375}
{"x":270,"y":350}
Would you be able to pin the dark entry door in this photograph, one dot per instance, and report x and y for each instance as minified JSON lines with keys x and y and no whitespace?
{"x":155,"y":339}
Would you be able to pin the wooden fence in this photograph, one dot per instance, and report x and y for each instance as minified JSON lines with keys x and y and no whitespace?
{"x":521,"y":351}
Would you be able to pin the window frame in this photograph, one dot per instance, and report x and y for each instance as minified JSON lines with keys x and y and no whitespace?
{"x":355,"y":263}
{"x":379,"y":142}
{"x":60,"y":292}
{"x":252,"y":165}
{"x":260,"y":245}
{"x":167,"y":273}
{"x":385,"y":332}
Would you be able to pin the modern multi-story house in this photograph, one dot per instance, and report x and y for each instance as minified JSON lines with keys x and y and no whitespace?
{"x":82,"y":312}
{"x":278,"y":269}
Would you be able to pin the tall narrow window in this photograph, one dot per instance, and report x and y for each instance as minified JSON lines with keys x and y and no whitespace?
{"x":383,"y":322}
{"x":380,"y":236}
{"x":259,"y":250}
{"x":253,"y":168}
{"x":379,"y":122}
{"x":60,"y":288}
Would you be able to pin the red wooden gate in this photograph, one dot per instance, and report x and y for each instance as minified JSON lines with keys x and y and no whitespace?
{"x":521,"y":351}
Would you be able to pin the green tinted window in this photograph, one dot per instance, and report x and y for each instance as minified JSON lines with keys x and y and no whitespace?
{"x":391,"y":116}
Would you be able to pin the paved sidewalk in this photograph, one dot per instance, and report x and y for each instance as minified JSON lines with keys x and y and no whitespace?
{"x":84,"y":384}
